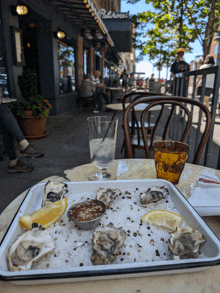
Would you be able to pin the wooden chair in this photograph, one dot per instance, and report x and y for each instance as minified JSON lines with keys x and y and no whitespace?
{"x":170,"y":124}
{"x":134,"y":121}
{"x":134,"y":96}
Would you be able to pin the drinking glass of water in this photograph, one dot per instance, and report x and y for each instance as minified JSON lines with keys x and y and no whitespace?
{"x":102,"y":140}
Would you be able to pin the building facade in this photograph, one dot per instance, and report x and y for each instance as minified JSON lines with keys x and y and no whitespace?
{"x":84,"y":44}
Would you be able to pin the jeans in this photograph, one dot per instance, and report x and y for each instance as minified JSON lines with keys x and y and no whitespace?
{"x":98,"y":100}
{"x":11,"y":131}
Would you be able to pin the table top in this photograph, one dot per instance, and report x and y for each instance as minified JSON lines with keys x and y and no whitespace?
{"x":204,"y":281}
{"x":139,"y":107}
{"x":115,"y":88}
{"x":7,"y":101}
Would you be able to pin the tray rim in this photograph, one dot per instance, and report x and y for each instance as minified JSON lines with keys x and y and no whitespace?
{"x":103,"y":272}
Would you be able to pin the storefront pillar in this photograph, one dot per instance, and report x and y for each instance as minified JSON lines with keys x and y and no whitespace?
{"x":79,"y":58}
{"x":92,"y":61}
{"x":48,"y":62}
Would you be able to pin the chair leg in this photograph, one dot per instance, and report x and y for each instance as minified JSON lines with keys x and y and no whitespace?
{"x":123,"y":145}
{"x":133,"y":151}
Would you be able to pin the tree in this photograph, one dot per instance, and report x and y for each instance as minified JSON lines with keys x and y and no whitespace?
{"x":176,"y":23}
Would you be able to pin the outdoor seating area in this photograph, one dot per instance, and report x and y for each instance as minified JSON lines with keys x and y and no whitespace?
{"x":67,"y":167}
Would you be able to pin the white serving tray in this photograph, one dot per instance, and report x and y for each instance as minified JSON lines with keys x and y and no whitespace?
{"x":210,"y":251}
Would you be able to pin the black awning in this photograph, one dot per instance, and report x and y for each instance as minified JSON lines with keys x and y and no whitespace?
{"x":112,"y":56}
{"x":121,"y":32}
{"x":83,"y":14}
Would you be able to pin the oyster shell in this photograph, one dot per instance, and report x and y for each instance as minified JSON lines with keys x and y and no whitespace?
{"x":107,"y":195}
{"x":53,"y":192}
{"x":29,"y":247}
{"x":153,"y":195}
{"x":185,"y":242}
{"x":107,"y":240}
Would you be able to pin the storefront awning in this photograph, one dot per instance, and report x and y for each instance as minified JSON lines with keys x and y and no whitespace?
{"x":112,"y":56}
{"x":121,"y":33}
{"x":84,"y":14}
{"x":119,"y":25}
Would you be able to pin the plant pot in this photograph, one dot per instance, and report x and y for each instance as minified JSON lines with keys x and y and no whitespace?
{"x":33,"y":127}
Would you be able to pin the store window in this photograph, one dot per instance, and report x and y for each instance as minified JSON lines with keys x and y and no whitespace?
{"x":98,"y":59}
{"x":216,"y":50}
{"x":106,"y":72}
{"x":3,"y":73}
{"x":66,"y":57}
{"x":85,"y":61}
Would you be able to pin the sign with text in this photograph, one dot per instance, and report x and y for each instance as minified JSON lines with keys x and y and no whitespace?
{"x":113,"y":15}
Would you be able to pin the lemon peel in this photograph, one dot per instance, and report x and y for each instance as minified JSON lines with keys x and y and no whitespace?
{"x":164,"y":219}
{"x":45,"y":216}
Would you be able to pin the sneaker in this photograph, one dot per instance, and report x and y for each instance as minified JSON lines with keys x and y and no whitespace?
{"x":30,"y":152}
{"x":95,"y":111}
{"x":20,"y":167}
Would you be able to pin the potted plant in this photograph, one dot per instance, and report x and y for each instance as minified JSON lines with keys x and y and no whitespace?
{"x":33,"y":109}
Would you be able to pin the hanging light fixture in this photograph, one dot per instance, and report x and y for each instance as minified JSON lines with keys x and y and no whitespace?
{"x":19,"y":10}
{"x":60,"y":34}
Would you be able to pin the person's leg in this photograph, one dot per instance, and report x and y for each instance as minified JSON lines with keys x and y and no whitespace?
{"x":99,"y":101}
{"x":9,"y":143}
{"x":96,"y":103}
{"x":15,"y":165}
{"x":105,"y":96}
{"x":206,"y":101}
{"x":11,"y":126}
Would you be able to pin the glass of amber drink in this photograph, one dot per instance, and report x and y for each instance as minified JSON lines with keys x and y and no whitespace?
{"x":170,"y":158}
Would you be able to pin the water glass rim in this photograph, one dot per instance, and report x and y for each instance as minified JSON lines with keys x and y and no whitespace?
{"x":96,"y":118}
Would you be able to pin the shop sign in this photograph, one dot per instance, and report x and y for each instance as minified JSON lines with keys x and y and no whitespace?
{"x":113,"y":15}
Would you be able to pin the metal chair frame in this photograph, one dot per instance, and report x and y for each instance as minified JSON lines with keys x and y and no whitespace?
{"x":173,"y":102}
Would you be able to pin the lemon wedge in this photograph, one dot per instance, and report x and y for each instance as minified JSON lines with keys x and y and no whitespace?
{"x":164,"y":219}
{"x":45,"y":216}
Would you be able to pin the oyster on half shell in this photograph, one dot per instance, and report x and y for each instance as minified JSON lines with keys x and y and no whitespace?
{"x":107,"y":195}
{"x":29,"y":247}
{"x":107,"y":240}
{"x":153,"y":195}
{"x":185,"y":242}
{"x":53,"y":192}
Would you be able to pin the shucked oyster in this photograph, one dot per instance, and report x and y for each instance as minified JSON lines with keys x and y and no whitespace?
{"x":185,"y":242}
{"x":107,"y":195}
{"x":29,"y":247}
{"x":107,"y":240}
{"x":53,"y":192}
{"x":153,"y":195}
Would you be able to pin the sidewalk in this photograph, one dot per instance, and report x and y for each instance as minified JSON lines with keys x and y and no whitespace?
{"x":65,"y":147}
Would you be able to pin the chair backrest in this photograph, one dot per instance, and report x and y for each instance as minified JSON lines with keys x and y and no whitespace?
{"x":134,"y":95}
{"x":172,"y":109}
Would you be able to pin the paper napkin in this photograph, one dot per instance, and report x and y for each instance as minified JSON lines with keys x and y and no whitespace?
{"x":206,"y":196}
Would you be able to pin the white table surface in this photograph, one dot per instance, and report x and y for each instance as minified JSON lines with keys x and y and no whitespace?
{"x":139,"y":107}
{"x":115,"y":88}
{"x":7,"y":101}
{"x":207,"y":281}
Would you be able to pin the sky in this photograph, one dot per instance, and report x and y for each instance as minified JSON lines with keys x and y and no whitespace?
{"x":145,"y":65}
